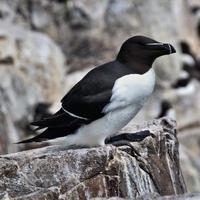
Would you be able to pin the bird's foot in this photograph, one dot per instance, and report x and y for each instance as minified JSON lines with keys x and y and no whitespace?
{"x":125,"y":139}
{"x":131,"y":137}
{"x":126,"y":143}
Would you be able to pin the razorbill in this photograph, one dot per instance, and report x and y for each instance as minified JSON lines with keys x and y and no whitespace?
{"x":107,"y":98}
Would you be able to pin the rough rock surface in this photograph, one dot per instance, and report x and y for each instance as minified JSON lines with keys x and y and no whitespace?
{"x":190,"y":158}
{"x":31,"y":67}
{"x":154,"y":196}
{"x":57,"y":173}
{"x":35,"y":56}
{"x":86,"y":36}
{"x":90,"y":38}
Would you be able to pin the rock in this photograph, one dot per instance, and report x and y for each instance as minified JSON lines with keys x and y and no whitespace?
{"x":56,"y":172}
{"x":189,"y":158}
{"x":155,"y":196}
{"x":188,"y":129}
{"x":36,"y":56}
{"x":112,"y":198}
{"x":86,"y":37}
{"x":194,"y":3}
{"x":31,"y":67}
{"x":185,"y":23}
{"x":192,"y":196}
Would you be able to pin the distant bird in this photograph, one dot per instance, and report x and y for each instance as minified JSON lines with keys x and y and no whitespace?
{"x":195,"y":10}
{"x":190,"y":63}
{"x":184,"y":85}
{"x":183,"y":80}
{"x":185,"y":48}
{"x":41,"y":110}
{"x":107,"y":98}
{"x":166,"y":110}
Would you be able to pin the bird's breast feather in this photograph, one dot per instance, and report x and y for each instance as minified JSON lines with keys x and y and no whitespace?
{"x":131,"y":89}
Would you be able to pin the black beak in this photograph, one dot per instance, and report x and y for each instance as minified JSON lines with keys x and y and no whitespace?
{"x":164,"y":48}
{"x":169,"y":48}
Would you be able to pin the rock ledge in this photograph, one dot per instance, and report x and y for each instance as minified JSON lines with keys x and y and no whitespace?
{"x":57,"y":173}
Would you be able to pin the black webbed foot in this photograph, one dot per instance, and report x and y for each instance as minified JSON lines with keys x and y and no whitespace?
{"x":125,"y":139}
{"x":126,"y":143}
{"x":131,"y":137}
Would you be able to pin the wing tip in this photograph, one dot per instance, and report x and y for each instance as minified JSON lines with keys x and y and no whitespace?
{"x":34,"y":139}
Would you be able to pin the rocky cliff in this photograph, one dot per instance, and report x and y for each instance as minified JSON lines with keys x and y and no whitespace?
{"x":45,"y":44}
{"x":31,"y":71}
{"x":59,"y":173}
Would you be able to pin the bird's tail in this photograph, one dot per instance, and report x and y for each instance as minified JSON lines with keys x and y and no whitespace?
{"x":58,"y":125}
{"x":34,"y":139}
{"x":57,"y":120}
{"x":48,"y":134}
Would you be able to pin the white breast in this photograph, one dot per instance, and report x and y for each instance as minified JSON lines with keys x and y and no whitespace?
{"x":132,"y":89}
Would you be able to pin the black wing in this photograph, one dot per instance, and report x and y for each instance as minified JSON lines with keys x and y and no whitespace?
{"x":90,"y":95}
{"x":58,"y":125}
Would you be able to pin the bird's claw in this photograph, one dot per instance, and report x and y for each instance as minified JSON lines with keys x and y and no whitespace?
{"x":125,"y":139}
{"x":126,"y":143}
{"x":131,"y":137}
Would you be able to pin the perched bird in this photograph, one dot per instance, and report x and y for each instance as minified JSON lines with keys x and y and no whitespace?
{"x":183,"y":80}
{"x":107,"y":98}
{"x":185,"y":85}
{"x":191,"y":63}
{"x":41,"y":110}
{"x":166,"y":110}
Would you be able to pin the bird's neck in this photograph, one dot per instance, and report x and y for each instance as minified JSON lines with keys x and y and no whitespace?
{"x":137,"y":67}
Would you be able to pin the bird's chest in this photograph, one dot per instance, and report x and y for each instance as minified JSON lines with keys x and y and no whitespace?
{"x":135,"y":88}
{"x":132,"y":89}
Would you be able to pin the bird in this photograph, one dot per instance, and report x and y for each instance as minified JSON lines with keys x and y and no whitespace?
{"x":107,"y":98}
{"x":166,"y":110}
{"x":185,"y":85}
{"x":190,"y":62}
{"x":182,"y":81}
{"x":41,"y":110}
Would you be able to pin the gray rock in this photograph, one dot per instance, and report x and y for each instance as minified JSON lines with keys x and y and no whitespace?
{"x":84,"y":28}
{"x":192,"y":196}
{"x":56,"y":172}
{"x":190,"y":159}
{"x":90,"y":32}
{"x":156,"y":196}
{"x":31,"y":67}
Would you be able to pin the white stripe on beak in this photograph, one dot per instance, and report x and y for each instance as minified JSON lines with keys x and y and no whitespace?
{"x":154,"y":44}
{"x":170,"y":49}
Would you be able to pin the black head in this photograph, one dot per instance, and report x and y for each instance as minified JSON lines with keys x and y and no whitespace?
{"x":139,"y":52}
